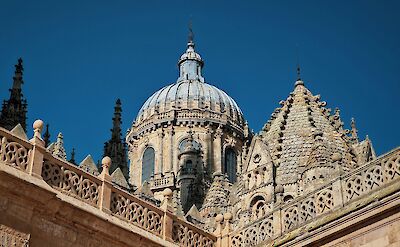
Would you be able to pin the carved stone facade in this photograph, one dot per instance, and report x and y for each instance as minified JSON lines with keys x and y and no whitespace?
{"x":190,"y":126}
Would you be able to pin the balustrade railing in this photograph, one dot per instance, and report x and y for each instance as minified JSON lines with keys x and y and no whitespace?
{"x":14,"y":151}
{"x":377,"y":174}
{"x":188,"y":235}
{"x":136,"y":211}
{"x":33,"y":158}
{"x":71,"y":180}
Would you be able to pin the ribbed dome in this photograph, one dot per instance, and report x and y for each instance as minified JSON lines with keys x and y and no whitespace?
{"x":190,"y":98}
{"x":190,"y":94}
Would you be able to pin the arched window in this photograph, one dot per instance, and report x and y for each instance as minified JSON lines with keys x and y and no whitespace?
{"x":148,"y":164}
{"x":188,"y":168}
{"x":185,"y":142}
{"x":230,"y":164}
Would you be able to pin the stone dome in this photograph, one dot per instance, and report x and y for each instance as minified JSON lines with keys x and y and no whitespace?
{"x":190,"y":94}
{"x":189,"y":99}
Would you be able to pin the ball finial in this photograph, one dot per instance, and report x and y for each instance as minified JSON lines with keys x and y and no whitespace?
{"x":106,"y":162}
{"x":38,"y":125}
{"x":167,"y":192}
{"x":228,"y":216}
{"x":219,"y":218}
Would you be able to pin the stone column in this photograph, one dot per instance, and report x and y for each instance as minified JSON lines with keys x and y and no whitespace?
{"x":104,"y":202}
{"x":36,"y":161}
{"x":208,"y":148}
{"x":159,"y":164}
{"x":217,"y":150}
{"x":174,"y":146}
{"x":168,"y":150}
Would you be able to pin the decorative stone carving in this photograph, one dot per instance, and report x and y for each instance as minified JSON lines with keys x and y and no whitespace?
{"x":68,"y":181}
{"x":14,"y":154}
{"x":135,"y":213}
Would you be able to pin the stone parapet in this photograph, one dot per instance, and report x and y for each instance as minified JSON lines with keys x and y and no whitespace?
{"x":83,"y":191}
{"x":345,"y":194}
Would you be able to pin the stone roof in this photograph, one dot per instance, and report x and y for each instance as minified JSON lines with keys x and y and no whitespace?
{"x":292,"y":128}
{"x":217,"y":197}
{"x":119,"y":178}
{"x":89,"y":166}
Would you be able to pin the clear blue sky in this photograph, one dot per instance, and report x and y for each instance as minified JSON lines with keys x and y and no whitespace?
{"x":80,"y":56}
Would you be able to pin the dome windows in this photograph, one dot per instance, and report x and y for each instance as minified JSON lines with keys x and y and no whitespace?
{"x":148,"y":162}
{"x":230,"y":164}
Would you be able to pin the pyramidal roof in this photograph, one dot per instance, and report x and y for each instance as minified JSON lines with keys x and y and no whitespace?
{"x":88,"y":165}
{"x":292,"y":129}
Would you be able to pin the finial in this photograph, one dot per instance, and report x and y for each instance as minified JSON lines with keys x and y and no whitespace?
{"x":46,"y":136}
{"x":191,"y":34}
{"x":72,"y":160}
{"x":298,"y":72}
{"x":37,"y":128}
{"x":106,"y":163}
{"x":298,"y":63}
{"x":18,"y":67}
{"x":354,"y":131}
{"x":37,"y":133}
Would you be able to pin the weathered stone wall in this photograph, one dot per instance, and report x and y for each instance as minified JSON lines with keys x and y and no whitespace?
{"x":46,"y":219}
{"x":385,"y":233}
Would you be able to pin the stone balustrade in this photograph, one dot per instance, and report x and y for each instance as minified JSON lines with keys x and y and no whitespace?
{"x":336,"y":196}
{"x":31,"y":157}
{"x":14,"y":151}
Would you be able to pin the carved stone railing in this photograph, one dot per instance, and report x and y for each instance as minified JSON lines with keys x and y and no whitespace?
{"x":71,"y":180}
{"x":372,"y":176}
{"x":188,"y":235}
{"x":136,"y":211}
{"x":334,"y":196}
{"x":14,"y":151}
{"x":162,"y":181}
{"x":31,"y":157}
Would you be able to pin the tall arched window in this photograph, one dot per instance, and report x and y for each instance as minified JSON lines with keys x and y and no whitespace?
{"x":230,"y":164}
{"x":148,"y":164}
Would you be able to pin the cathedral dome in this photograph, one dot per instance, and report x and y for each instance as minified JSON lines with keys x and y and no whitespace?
{"x":189,"y":99}
{"x":190,"y":94}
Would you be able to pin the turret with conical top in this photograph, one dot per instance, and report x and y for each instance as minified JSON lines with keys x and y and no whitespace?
{"x":115,"y":148}
{"x":14,"y":110}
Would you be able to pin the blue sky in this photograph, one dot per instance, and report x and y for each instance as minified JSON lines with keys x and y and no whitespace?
{"x":80,"y":56}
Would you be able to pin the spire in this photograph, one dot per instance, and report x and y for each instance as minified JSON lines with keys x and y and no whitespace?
{"x":58,"y":149}
{"x":115,"y":148}
{"x":298,"y":73}
{"x":72,"y":160}
{"x":46,"y":136}
{"x":354,"y":131}
{"x":190,"y":63}
{"x":14,"y":110}
{"x":116,"y":130}
{"x":191,"y":34}
{"x":298,"y":79}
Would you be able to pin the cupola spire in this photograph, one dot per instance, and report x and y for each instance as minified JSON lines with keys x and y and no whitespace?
{"x":190,"y":63}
